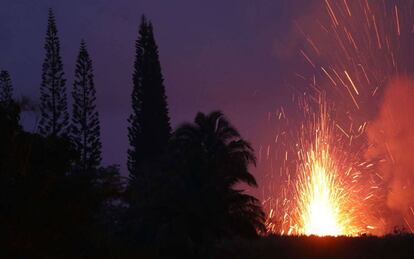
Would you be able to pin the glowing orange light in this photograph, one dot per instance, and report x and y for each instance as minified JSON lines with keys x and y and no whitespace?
{"x":322,"y":198}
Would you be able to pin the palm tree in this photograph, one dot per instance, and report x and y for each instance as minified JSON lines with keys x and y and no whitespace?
{"x":210,"y":160}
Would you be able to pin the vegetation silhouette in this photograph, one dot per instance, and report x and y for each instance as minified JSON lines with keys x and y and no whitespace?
{"x":54,"y":118}
{"x":47,"y":206}
{"x":6,"y":88}
{"x":149,"y":124}
{"x":208,"y":161}
{"x":182,"y":192}
{"x":85,"y":131}
{"x":211,"y":159}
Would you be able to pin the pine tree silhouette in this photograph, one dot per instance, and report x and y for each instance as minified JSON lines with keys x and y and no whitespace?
{"x":8,"y":106}
{"x":149,"y":125}
{"x":54,"y":115}
{"x":85,"y":127}
{"x":6,"y":88}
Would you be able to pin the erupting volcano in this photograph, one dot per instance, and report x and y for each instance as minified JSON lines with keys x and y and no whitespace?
{"x":334,"y":179}
{"x":320,"y":196}
{"x":325,"y":193}
{"x":321,"y":204}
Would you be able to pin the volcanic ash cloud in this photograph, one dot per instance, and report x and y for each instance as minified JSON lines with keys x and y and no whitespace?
{"x":391,"y":139}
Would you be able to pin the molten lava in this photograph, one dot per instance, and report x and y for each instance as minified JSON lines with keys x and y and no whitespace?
{"x":322,"y":202}
{"x":321,"y":211}
{"x":338,"y":178}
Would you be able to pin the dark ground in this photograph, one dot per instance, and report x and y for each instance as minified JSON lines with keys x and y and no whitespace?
{"x":392,"y":246}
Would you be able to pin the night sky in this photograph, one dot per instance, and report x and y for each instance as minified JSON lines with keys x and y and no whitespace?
{"x":215,"y":54}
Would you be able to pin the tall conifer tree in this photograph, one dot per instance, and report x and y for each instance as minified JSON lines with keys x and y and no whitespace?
{"x":149,"y":125}
{"x":53,"y":104}
{"x":8,"y":107}
{"x":6,"y":88}
{"x":85,"y":128}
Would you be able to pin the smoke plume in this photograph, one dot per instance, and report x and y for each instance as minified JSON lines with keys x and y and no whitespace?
{"x":391,"y":141}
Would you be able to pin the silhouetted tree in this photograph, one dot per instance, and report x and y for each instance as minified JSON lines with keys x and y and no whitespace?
{"x":194,"y":200}
{"x":85,"y":128}
{"x":9,"y":129}
{"x":54,"y":115}
{"x":149,"y":125}
{"x":10,"y":110}
{"x":6,"y":88}
{"x":210,"y":159}
{"x":48,"y":208}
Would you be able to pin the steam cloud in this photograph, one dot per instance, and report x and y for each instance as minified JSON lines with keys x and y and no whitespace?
{"x":391,"y":139}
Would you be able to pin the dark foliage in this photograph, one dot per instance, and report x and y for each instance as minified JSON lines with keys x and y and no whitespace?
{"x":85,"y":127}
{"x":46,"y":207}
{"x":9,"y":131}
{"x":10,"y":110}
{"x":6,"y":88}
{"x":193,"y":201}
{"x":148,"y":133}
{"x":54,"y":115}
{"x":211,"y":159}
{"x":149,"y":125}
{"x":183,"y":193}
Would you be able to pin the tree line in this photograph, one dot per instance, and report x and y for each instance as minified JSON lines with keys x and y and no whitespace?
{"x":183,"y":190}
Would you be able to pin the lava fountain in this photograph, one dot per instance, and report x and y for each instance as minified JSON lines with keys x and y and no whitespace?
{"x":321,"y":200}
{"x":330,"y":192}
{"x":320,"y":180}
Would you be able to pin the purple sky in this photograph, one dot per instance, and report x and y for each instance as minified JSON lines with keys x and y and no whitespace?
{"x":215,"y":55}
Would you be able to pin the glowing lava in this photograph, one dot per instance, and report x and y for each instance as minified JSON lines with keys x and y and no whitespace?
{"x":320,"y":216}
{"x":330,"y":186}
{"x":321,"y":199}
{"x":330,"y":193}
